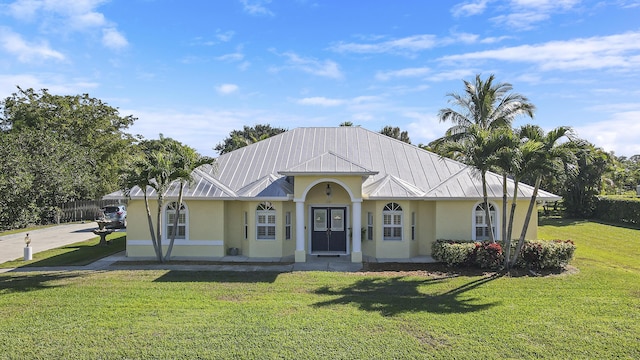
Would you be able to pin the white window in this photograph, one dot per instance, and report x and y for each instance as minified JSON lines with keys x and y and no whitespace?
{"x":369,"y":226}
{"x":480,"y":227}
{"x":287,"y":225}
{"x":392,"y":222}
{"x":266,"y":221}
{"x":170,"y":217}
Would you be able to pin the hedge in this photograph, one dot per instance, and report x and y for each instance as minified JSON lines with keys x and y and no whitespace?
{"x":535,"y":254}
{"x":625,"y":211}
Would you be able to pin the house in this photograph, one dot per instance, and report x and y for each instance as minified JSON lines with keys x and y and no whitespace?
{"x":341,"y":191}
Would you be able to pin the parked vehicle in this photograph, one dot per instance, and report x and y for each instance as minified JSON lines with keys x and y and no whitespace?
{"x":116,"y":215}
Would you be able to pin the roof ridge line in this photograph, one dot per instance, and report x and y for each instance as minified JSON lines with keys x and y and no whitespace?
{"x":453,"y":176}
{"x":216,"y":182}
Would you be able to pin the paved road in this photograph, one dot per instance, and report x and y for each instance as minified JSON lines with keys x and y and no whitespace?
{"x":12,"y":246}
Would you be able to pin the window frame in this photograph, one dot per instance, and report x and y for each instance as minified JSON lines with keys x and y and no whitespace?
{"x":394,"y":212}
{"x":370,"y":226}
{"x":170,"y":209}
{"x":475,"y":225}
{"x":268,"y":212}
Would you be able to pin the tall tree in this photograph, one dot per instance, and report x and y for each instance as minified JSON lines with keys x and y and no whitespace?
{"x":39,"y":170}
{"x":396,"y":133}
{"x":584,"y":182}
{"x":161,"y":164}
{"x":98,"y":129}
{"x":484,"y":106}
{"x":542,"y":163}
{"x":479,"y":148}
{"x":187,"y":160}
{"x":248,"y":135}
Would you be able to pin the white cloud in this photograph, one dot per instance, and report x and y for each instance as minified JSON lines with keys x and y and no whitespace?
{"x":257,"y":7}
{"x":320,"y":101}
{"x":410,"y":44}
{"x":619,"y":133}
{"x":224,"y":36}
{"x":620,"y":51}
{"x":360,"y":104}
{"x":403,"y":73}
{"x":27,"y":52}
{"x":524,"y":14}
{"x":469,"y":8}
{"x":326,"y":68}
{"x":113,"y":39}
{"x":62,"y":16}
{"x":232,"y":57}
{"x":424,"y":128}
{"x":55,"y":84}
{"x":226,"y":89}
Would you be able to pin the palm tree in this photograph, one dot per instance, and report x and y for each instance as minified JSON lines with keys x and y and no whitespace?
{"x":541,"y":163}
{"x":138,"y":174}
{"x":187,"y":160}
{"x":514,"y":162}
{"x":479,"y":148}
{"x":485,"y":106}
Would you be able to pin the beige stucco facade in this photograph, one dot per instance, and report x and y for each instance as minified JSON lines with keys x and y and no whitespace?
{"x":215,"y":226}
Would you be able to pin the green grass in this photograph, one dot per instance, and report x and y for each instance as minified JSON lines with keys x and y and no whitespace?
{"x":591,"y":314}
{"x":78,"y":254}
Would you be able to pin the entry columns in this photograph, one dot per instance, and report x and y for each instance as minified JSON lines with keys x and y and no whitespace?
{"x":356,"y":233}
{"x":300,"y":255}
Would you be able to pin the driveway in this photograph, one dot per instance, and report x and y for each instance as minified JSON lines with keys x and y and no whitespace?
{"x":12,"y":246}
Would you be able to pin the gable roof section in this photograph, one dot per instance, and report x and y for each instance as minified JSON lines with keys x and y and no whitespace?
{"x":267,"y":186}
{"x":328,"y":163}
{"x":392,"y":187}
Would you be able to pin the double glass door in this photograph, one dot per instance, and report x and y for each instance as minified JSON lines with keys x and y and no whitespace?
{"x":328,"y":230}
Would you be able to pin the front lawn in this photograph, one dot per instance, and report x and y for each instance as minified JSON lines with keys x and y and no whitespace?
{"x":593,"y":313}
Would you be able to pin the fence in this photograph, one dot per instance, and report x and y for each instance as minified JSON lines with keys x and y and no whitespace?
{"x":81,"y":210}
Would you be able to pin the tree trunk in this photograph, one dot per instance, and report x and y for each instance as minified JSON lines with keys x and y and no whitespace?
{"x":159,"y":227}
{"x":175,"y":223}
{"x":527,"y":219}
{"x":512,"y":215}
{"x":504,"y":206}
{"x":150,"y":222}
{"x":486,"y":206}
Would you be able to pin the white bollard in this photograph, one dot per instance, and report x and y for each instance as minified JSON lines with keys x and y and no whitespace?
{"x":28,"y":250}
{"x":28,"y":253}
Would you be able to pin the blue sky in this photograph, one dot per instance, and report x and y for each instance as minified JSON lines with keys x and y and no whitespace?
{"x":195,"y":70}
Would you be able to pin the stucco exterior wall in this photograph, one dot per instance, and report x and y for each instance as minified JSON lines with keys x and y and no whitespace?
{"x":214,"y":225}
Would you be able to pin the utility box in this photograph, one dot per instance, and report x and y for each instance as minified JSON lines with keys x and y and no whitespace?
{"x":638,"y":190}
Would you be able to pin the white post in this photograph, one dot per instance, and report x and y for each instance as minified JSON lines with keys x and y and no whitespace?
{"x":300,"y":254}
{"x":356,"y":252}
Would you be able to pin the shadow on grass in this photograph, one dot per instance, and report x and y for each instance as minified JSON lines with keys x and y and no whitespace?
{"x":392,"y":296}
{"x":219,"y":276}
{"x":31,"y":282}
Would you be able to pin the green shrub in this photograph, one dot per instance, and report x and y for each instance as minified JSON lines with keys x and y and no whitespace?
{"x":536,"y":254}
{"x":487,"y":255}
{"x":453,"y":253}
{"x":625,"y":211}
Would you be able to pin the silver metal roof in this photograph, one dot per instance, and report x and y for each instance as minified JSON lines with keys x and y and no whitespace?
{"x":392,"y":168}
